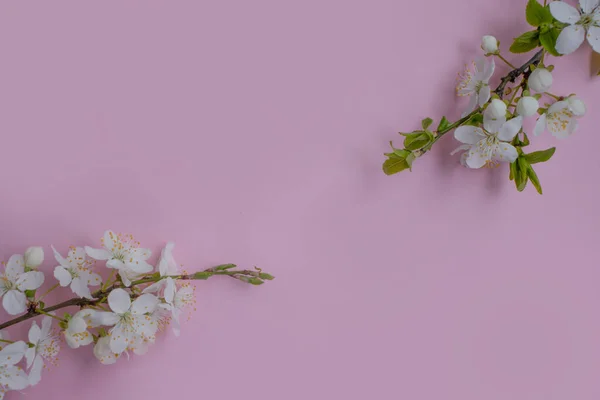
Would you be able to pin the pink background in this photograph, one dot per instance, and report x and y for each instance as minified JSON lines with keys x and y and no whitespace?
{"x":253,"y":132}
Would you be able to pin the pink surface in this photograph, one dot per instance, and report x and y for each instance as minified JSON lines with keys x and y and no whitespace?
{"x":253,"y":132}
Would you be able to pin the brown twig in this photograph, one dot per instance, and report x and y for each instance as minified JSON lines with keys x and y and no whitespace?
{"x":515,"y":73}
{"x":101,"y":294}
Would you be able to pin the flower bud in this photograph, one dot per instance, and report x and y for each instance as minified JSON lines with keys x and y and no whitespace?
{"x":34,"y":257}
{"x":540,"y":80}
{"x":489,"y":44}
{"x":496,"y":109}
{"x":528,"y":106}
{"x":576,"y":106}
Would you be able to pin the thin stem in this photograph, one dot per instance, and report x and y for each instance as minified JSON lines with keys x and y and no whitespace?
{"x":49,"y":290}
{"x":554,"y":96}
{"x":506,"y":61}
{"x":517,"y":90}
{"x":101,"y":294}
{"x":6,"y":341}
{"x":50,"y":315}
{"x":110,"y":278}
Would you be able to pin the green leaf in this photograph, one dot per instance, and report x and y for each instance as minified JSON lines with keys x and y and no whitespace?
{"x":526,"y":42}
{"x":398,"y":161}
{"x":224,"y":267}
{"x":265,"y":276}
{"x":522,"y":175}
{"x":254,"y":281}
{"x":534,"y":179}
{"x":540,"y":156}
{"x":525,"y":141}
{"x":417,"y":140}
{"x":444,"y":124}
{"x":513,"y":171}
{"x":426,"y":122}
{"x":476,"y":120}
{"x":30,"y":294}
{"x":202,"y":275}
{"x":537,"y":14}
{"x":548,"y":39}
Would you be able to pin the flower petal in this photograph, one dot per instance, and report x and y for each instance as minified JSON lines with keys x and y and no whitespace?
{"x":144,"y":325}
{"x":116,"y":264}
{"x":59,"y":258}
{"x":471,"y":106}
{"x":80,"y":288}
{"x":167,"y":264}
{"x":146,"y":303}
{"x":505,"y":152}
{"x":35,"y":333}
{"x":587,"y":6}
{"x":540,"y":125}
{"x":488,"y":71}
{"x":169,"y":290}
{"x":475,"y":158}
{"x":30,"y":280}
{"x":102,"y":318}
{"x":103,"y":353}
{"x":35,"y":374}
{"x":92,"y":278}
{"x":120,"y":337}
{"x":493,"y":125}
{"x":46,"y":326}
{"x":63,"y":276}
{"x":15,"y":267}
{"x":155,"y":287}
{"x":119,"y":301}
{"x":509,"y":129}
{"x":14,"y":302}
{"x":484,"y":95}
{"x":98,"y":254}
{"x":14,"y":378}
{"x":469,"y":134}
{"x":13,"y":353}
{"x":593,"y":37}
{"x":139,"y":266}
{"x":564,"y":12}
{"x":568,"y":131}
{"x":570,"y":38}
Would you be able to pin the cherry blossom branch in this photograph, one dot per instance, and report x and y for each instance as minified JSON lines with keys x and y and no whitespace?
{"x":256,"y":277}
{"x":515,"y":73}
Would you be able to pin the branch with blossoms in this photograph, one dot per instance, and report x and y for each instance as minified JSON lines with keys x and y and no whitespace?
{"x":122,"y":316}
{"x":490,"y":131}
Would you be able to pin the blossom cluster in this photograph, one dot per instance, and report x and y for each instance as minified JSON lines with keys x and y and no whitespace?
{"x":122,"y":315}
{"x":491,"y":129}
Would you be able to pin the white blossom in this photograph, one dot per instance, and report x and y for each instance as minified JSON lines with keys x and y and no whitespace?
{"x":123,"y":254}
{"x":129,"y":318}
{"x":487,"y":145}
{"x":474,"y":82}
{"x":176,"y":300}
{"x":15,"y":281}
{"x":76,"y":271}
{"x":528,"y":106}
{"x":77,"y":334}
{"x":45,"y":347}
{"x":496,"y":109}
{"x":103,"y":352}
{"x":540,"y":80}
{"x":576,"y":106}
{"x":559,"y":120}
{"x":34,"y":257}
{"x":580,"y":22}
{"x":12,"y":377}
{"x":489,"y":44}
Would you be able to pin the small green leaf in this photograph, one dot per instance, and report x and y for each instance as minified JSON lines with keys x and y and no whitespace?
{"x":548,"y":39}
{"x":475,"y":120}
{"x":534,"y":179}
{"x":426,"y":122}
{"x":202,"y":275}
{"x":525,"y":141}
{"x":526,"y":42}
{"x":398,"y":161}
{"x":30,"y":294}
{"x":254,"y":281}
{"x":540,"y":156}
{"x":417,"y":140}
{"x":522,"y":175}
{"x":224,"y":267}
{"x":513,"y":171}
{"x":537,"y":14}
{"x":444,"y":124}
{"x":265,"y":276}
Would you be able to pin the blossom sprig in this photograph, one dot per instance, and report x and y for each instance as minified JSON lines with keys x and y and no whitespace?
{"x":122,"y":317}
{"x":490,"y":129}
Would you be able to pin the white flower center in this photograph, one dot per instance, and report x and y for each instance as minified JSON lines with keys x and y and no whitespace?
{"x":6,"y":283}
{"x":587,"y":20}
